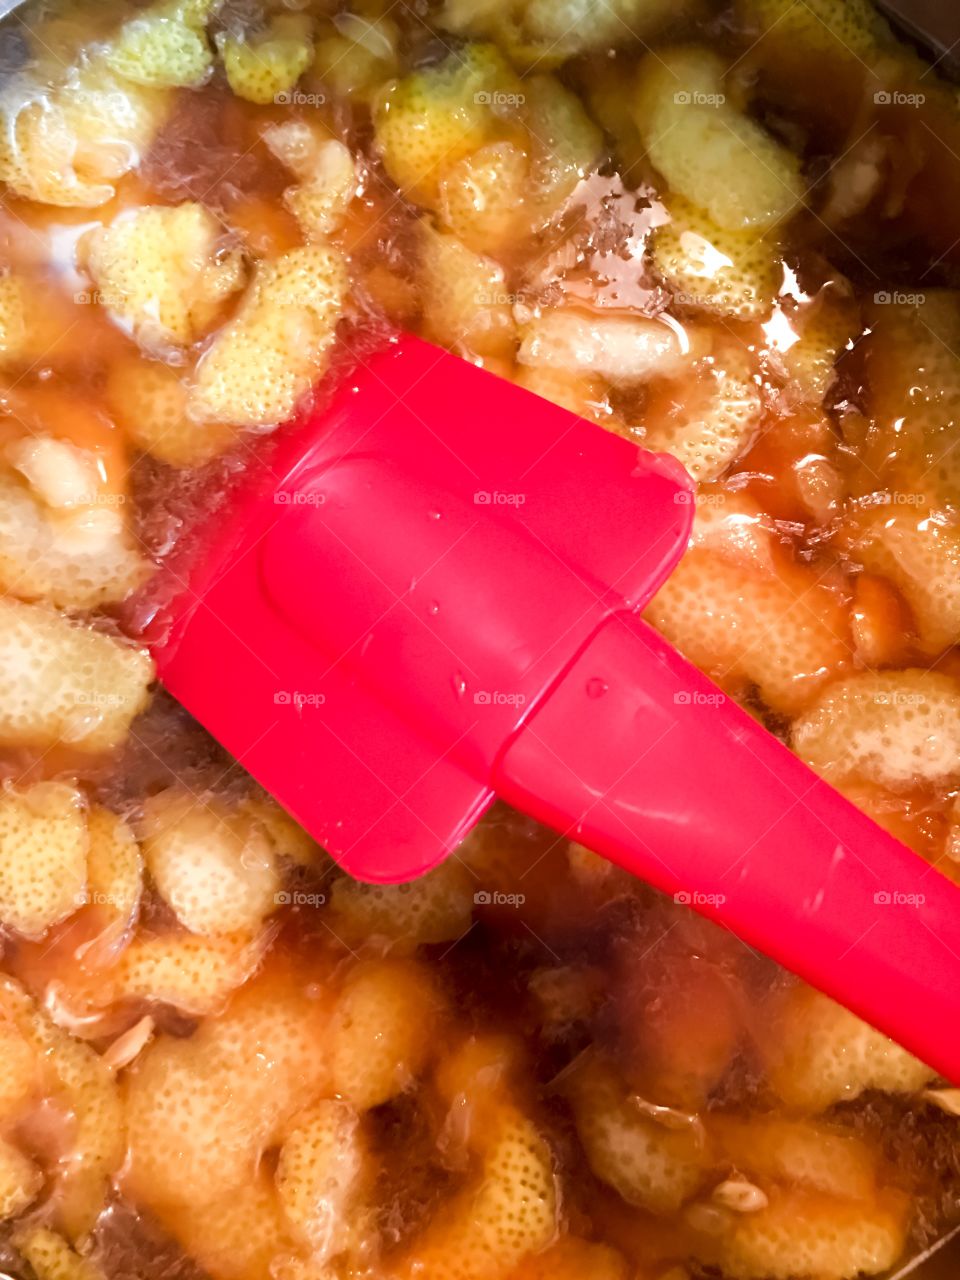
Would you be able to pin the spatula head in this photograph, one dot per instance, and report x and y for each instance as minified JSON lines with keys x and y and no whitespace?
{"x":394,"y":596}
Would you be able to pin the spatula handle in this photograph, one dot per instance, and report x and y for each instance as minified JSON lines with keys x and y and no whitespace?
{"x":639,"y":756}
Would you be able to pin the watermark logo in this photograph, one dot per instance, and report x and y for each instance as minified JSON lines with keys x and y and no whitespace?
{"x":486,"y":898}
{"x":694,"y":299}
{"x":495,"y":698}
{"x":897,"y":299}
{"x":895,"y":698}
{"x":100,"y":101}
{"x":894,"y":898}
{"x":297,"y":898}
{"x":683,"y":498}
{"x":294,"y":698}
{"x":698,"y":698}
{"x":98,"y":298}
{"x":693,"y":898}
{"x":497,"y":299}
{"x":93,"y":499}
{"x":895,"y":498}
{"x":686,"y":98}
{"x":296,"y":98}
{"x":496,"y":98}
{"x":894,"y":98}
{"x":94,"y":699}
{"x":298,"y":498}
{"x":95,"y":898}
{"x":484,"y":498}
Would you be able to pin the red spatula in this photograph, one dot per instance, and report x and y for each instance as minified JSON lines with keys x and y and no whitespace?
{"x":431,"y":598}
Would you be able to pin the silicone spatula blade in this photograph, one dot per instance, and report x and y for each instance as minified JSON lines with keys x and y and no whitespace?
{"x":378,"y":617}
{"x":430,"y":597}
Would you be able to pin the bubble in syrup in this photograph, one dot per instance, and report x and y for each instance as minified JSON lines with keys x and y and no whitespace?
{"x":252,"y":860}
{"x":433,"y":607}
{"x":596,"y":687}
{"x":459,"y":684}
{"x":434,"y":515}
